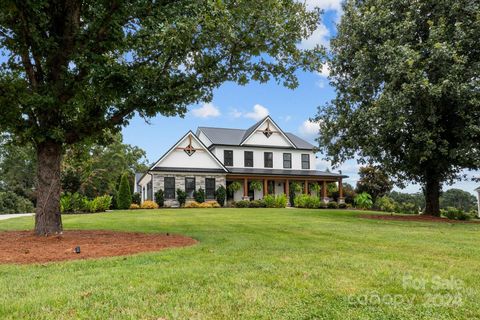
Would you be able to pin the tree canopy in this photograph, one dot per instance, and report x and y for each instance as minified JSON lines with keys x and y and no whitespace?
{"x":373,"y":181}
{"x":79,"y":69}
{"x":407,"y":77}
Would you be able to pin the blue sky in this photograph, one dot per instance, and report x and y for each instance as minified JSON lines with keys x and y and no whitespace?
{"x":235,"y":106}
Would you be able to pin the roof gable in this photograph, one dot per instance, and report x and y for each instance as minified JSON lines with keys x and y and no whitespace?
{"x":189,"y":152}
{"x":266,"y":132}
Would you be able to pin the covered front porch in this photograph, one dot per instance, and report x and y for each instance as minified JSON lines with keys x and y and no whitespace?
{"x":290,"y":185}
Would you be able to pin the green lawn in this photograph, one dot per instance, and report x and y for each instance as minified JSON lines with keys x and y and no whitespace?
{"x":257,"y":264}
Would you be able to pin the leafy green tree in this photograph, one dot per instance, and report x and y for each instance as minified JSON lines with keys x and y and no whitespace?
{"x":17,"y":168}
{"x":160,"y":198}
{"x":221,"y":195}
{"x":77,"y":70}
{"x":458,"y":199}
{"x":417,"y":200}
{"x":406,"y":75}
{"x":363,"y":201}
{"x":181,"y":197}
{"x":124,"y":195}
{"x":373,"y":181}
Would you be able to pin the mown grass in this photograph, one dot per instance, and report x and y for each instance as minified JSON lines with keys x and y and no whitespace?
{"x":256,"y":264}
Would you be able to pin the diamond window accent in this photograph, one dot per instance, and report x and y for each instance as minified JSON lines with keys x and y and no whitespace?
{"x":267,"y":132}
{"x":189,"y":150}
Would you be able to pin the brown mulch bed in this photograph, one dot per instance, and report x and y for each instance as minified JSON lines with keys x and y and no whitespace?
{"x":24,"y":247}
{"x":422,"y":218}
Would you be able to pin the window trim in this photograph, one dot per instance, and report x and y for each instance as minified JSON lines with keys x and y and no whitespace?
{"x":194,"y":187}
{"x":265,"y":159}
{"x":289,"y":160}
{"x":166,"y":194}
{"x":245,"y":159}
{"x":230,"y":164}
{"x":214,"y":188}
{"x":307,"y":162}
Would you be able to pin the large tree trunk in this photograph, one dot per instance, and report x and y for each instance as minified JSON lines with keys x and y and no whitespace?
{"x":48,"y":219}
{"x":432,"y":197}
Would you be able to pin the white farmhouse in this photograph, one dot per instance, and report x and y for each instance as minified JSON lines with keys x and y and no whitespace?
{"x":212,"y":157}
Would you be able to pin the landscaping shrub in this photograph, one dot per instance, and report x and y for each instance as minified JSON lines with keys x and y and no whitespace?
{"x":124,"y":196}
{"x":221,"y":195}
{"x":342,"y":205}
{"x":257,"y":204}
{"x":148,"y":204}
{"x":134,"y":206}
{"x":386,"y":204}
{"x":363,"y":200}
{"x":323,"y":205}
{"x":100,"y":204}
{"x":281,"y":201}
{"x":192,"y":204}
{"x":199,"y":195}
{"x":241,"y":204}
{"x":278,"y":201}
{"x":160,"y":198}
{"x":136,"y":198}
{"x":76,"y":203}
{"x":332,"y":205}
{"x":306,"y":201}
{"x":455,"y":214}
{"x":72,"y":203}
{"x":181,"y":197}
{"x":209,"y":204}
{"x":10,"y":202}
{"x":269,"y":201}
{"x":406,"y":208}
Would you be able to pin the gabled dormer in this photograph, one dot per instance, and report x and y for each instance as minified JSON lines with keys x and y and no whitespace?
{"x":189,"y":152}
{"x":266,"y":133}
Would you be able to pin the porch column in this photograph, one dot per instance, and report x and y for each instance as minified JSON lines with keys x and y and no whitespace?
{"x":305,"y":187}
{"x":324,"y":191}
{"x":287,"y":188}
{"x":341,"y":199}
{"x":245,"y":189}
{"x":265,"y":187}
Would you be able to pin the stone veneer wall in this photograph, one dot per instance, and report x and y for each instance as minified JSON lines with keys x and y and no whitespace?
{"x":158,"y":183}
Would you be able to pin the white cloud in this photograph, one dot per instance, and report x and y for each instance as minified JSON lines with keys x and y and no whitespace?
{"x":235,"y":113}
{"x":259,"y":112}
{"x":309,"y":128}
{"x":208,"y":110}
{"x":319,"y":36}
{"x":325,"y":72}
{"x":324,"y":4}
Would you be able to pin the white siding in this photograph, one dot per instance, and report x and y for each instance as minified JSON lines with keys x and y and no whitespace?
{"x":258,"y":156}
{"x":277,"y":139}
{"x":179,"y":158}
{"x":204,"y":139}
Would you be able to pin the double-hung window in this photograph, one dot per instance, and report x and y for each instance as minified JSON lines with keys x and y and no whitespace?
{"x":228,"y":157}
{"x":268,"y":159}
{"x":287,"y":160}
{"x":305,"y":161}
{"x":248,"y":158}
{"x":210,"y":188}
{"x":169,"y":186}
{"x":190,"y":187}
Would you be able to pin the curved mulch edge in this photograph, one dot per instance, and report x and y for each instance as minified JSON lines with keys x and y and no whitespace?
{"x":416,"y":218}
{"x":23,"y":247}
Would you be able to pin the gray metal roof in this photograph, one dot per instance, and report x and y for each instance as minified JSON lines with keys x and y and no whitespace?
{"x":285,"y":172}
{"x":234,"y":137}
